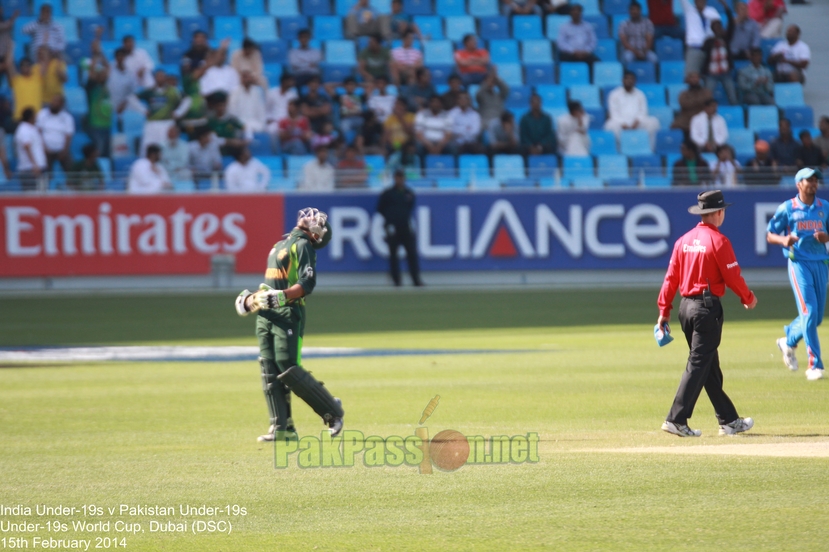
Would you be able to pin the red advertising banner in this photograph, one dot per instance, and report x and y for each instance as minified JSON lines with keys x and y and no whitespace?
{"x":118,"y":235}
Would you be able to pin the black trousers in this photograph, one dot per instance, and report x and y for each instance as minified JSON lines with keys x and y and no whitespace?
{"x":703,"y":330}
{"x":396,"y":237}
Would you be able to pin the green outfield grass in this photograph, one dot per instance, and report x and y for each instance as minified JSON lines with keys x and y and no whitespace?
{"x":589,"y":379}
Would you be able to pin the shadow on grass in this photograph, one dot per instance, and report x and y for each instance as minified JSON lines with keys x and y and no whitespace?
{"x":56,"y":320}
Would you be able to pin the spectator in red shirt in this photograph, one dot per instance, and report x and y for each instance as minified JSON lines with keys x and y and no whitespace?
{"x":351,"y":170}
{"x":473,"y":62}
{"x":294,"y":131}
{"x":661,"y":14}
{"x":769,"y":14}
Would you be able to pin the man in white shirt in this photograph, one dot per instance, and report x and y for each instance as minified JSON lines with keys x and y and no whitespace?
{"x":708,"y":128}
{"x":148,"y":176}
{"x":121,"y":83}
{"x":318,"y":174}
{"x":57,"y":128}
{"x":138,"y":62}
{"x":627,"y":108}
{"x":276,"y":103}
{"x":247,"y":103}
{"x":433,"y":128}
{"x":304,"y":61}
{"x":379,"y":100}
{"x":792,"y":57}
{"x":219,"y":77}
{"x":466,"y":126}
{"x":29,"y":150}
{"x":698,"y":18}
{"x":175,"y":156}
{"x":405,"y":60}
{"x":571,"y":128}
{"x":246,"y":174}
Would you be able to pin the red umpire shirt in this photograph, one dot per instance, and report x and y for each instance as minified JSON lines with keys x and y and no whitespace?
{"x":702,"y":257}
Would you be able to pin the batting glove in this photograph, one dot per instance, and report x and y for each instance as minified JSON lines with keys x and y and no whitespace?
{"x":269,"y":298}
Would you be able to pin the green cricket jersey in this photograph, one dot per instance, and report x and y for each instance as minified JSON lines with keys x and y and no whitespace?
{"x":291,"y":261}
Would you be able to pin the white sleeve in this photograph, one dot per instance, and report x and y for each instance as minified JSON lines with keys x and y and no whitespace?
{"x":231,"y":178}
{"x":642,"y":110}
{"x":697,"y":131}
{"x":720,"y":130}
{"x":807,"y":53}
{"x":613,"y":108}
{"x":70,"y":124}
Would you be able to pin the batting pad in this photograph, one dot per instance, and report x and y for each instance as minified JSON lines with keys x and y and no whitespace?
{"x":307,"y":388}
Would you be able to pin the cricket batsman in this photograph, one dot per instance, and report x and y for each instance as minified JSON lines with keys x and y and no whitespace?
{"x":799,"y":225}
{"x":280,"y":324}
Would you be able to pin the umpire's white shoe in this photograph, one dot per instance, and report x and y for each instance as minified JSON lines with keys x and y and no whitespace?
{"x":335,"y":426}
{"x":788,"y":354}
{"x":813,"y":374}
{"x":681,"y":430}
{"x":737,"y":426}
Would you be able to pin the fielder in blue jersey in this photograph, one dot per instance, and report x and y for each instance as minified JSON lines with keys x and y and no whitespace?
{"x":800,"y":226}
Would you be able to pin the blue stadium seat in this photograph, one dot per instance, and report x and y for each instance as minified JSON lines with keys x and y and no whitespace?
{"x":273,"y":71}
{"x":150,"y":8}
{"x":635,"y":142}
{"x":315,"y":7}
{"x":227,"y":27}
{"x":621,"y":182}
{"x":76,"y":102}
{"x":607,"y":73}
{"x":438,"y":52}
{"x":519,"y":96}
{"x":668,"y":141}
{"x":655,"y":93}
{"x":22,"y":6}
{"x":742,"y":140}
{"x":542,"y":166}
{"x":250,"y":8}
{"x":343,"y":7}
{"x":767,"y":134}
{"x":672,"y":72}
{"x":553,"y":96}
{"x":450,"y":8}
{"x":645,"y":71}
{"x":600,"y":25}
{"x":788,"y":94}
{"x":128,"y":25}
{"x":289,"y":27}
{"x":172,"y":52}
{"x":440,"y":166}
{"x":646,"y":165}
{"x":511,"y":73}
{"x":441,"y":73}
{"x":669,"y":49}
{"x":430,"y":25}
{"x":553,"y":24}
{"x":536,"y":51}
{"x":483,"y":8}
{"x":674,"y":90}
{"x":802,"y":116}
{"x":657,"y":182}
{"x":420,"y":183}
{"x":340,"y":51}
{"x":615,"y":7}
{"x":616,"y":22}
{"x":526,"y":27}
{"x":507,"y":167}
{"x":537,"y":75}
{"x":376,"y":165}
{"x":762,"y":117}
{"x":190,"y":24}
{"x":612,"y":166}
{"x":577,"y":167}
{"x":590,"y":7}
{"x":275,"y":164}
{"x":283,"y":8}
{"x":417,"y":7}
{"x":494,"y":27}
{"x":80,"y":8}
{"x":587,"y":182}
{"x":336,"y":73}
{"x":664,"y":114}
{"x":89,"y":24}
{"x":70,"y":28}
{"x":327,"y":27}
{"x":183,"y":8}
{"x":458,"y":26}
{"x":766,"y":44}
{"x":606,"y":49}
{"x":733,"y":115}
{"x":216,"y":8}
{"x":261,"y":28}
{"x":150,"y":47}
{"x":519,"y":183}
{"x":503,"y":51}
{"x":573,"y":73}
{"x":162,"y":29}
{"x":473,"y":167}
{"x":295,"y":163}
{"x":602,"y":142}
{"x":111,"y":8}
{"x":452,"y":183}
{"x":587,"y":94}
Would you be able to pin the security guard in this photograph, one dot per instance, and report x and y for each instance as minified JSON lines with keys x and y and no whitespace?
{"x":702,"y":265}
{"x":396,"y":205}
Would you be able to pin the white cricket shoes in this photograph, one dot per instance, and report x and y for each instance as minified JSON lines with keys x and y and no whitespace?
{"x":680,"y":430}
{"x":813,"y":374}
{"x":788,"y":354}
{"x":737,"y":426}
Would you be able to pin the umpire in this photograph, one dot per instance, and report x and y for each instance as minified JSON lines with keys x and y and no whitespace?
{"x":396,"y":205}
{"x":702,"y":265}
